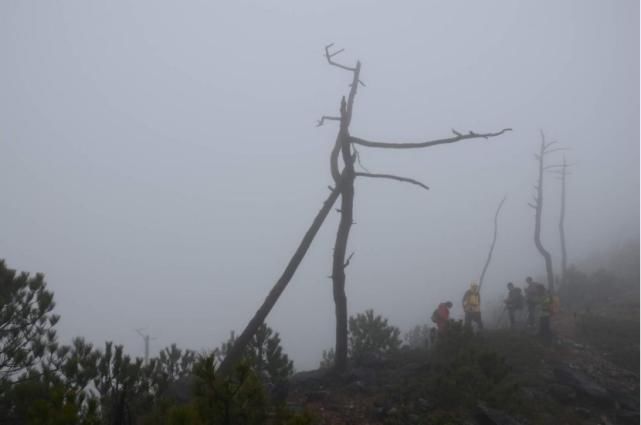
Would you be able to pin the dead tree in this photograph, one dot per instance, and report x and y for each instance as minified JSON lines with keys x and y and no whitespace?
{"x":236,"y":351}
{"x":564,"y":254}
{"x":344,"y":148}
{"x":562,"y":172}
{"x":489,"y":255}
{"x":537,"y":204}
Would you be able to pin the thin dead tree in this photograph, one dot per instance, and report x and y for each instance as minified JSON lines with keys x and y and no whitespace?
{"x":146,"y":338}
{"x":562,"y":172}
{"x":489,"y":254}
{"x":345,"y":149}
{"x":537,"y":205}
{"x":564,"y":254}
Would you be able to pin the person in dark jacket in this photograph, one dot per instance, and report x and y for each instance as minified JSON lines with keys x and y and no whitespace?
{"x":514,"y":302}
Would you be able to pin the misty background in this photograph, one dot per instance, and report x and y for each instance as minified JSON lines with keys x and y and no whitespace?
{"x":159,"y":160}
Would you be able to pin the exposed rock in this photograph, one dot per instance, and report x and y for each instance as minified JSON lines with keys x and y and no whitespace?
{"x":581,"y":383}
{"x":488,"y":416}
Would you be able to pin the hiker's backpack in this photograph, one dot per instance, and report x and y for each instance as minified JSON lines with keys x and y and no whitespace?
{"x":518,"y":299}
{"x":435,"y":316}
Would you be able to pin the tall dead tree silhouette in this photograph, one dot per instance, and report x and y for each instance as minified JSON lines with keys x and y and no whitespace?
{"x":562,"y":171}
{"x":537,"y":205}
{"x":564,"y":254}
{"x":343,"y":187}
{"x":489,"y":254}
{"x":344,"y":148}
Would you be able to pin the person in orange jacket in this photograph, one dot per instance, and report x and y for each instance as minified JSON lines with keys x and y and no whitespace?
{"x":441,"y":316}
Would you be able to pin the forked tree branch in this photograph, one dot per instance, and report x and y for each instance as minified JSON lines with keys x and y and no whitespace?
{"x":458,"y":137}
{"x":393,"y":177}
{"x":329,"y":57}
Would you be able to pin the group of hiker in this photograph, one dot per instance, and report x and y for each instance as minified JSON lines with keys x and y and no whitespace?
{"x":539,"y":302}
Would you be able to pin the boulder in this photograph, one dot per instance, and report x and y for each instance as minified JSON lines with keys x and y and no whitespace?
{"x":582,"y":383}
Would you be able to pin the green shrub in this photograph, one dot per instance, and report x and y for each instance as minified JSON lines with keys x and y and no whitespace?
{"x":264,"y":352}
{"x":237,"y":399}
{"x":464,"y":370}
{"x":369,"y":333}
{"x":419,"y":337}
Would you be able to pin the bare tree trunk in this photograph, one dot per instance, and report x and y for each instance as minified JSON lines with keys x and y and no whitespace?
{"x":489,"y":255}
{"x":338,"y":271}
{"x":562,"y":223}
{"x":538,"y":206}
{"x":339,"y":262}
{"x":243,"y":339}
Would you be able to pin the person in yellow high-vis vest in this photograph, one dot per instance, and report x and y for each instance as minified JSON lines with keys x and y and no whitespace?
{"x":472,"y":306}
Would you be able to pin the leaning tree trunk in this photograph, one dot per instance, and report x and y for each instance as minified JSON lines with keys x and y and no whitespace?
{"x":489,"y":255}
{"x":538,"y":206}
{"x":564,"y":254}
{"x":235,"y":353}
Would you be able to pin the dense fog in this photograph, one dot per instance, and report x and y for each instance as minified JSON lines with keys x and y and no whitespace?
{"x":160,"y":161}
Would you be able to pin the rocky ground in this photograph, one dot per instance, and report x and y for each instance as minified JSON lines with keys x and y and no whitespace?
{"x":500,"y":377}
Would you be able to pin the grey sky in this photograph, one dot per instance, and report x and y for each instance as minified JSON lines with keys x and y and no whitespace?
{"x":159,"y":159}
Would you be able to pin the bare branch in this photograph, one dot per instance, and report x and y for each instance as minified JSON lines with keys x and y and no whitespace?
{"x":348,"y":260}
{"x":321,"y":121}
{"x":393,"y":177}
{"x":458,"y":137}
{"x":336,"y":53}
{"x":329,"y":56}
